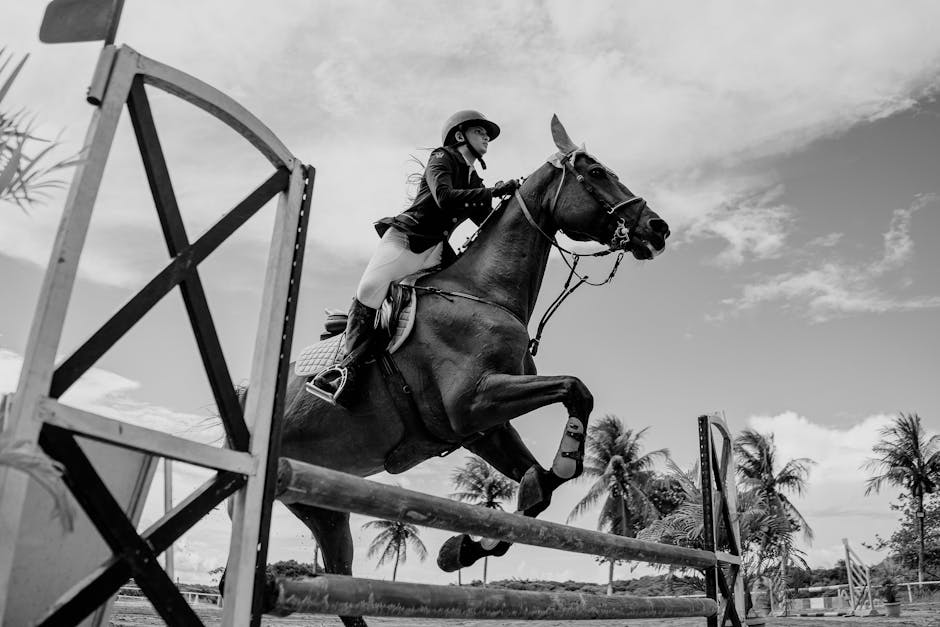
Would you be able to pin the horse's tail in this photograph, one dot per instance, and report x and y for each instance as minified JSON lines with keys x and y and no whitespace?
{"x":213,"y":422}
{"x":241,"y":392}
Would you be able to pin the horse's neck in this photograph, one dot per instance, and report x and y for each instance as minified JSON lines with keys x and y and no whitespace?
{"x":507,"y":262}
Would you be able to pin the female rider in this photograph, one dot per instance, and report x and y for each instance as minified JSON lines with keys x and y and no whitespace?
{"x":450,"y":192}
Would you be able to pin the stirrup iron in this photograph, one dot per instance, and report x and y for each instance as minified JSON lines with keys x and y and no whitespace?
{"x":322,"y":394}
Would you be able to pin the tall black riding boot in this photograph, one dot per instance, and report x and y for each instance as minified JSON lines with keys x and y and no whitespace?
{"x":337,"y":383}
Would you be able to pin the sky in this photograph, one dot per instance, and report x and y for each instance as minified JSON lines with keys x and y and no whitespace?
{"x":791,"y":148}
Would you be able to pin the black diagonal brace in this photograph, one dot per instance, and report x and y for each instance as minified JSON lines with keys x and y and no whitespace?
{"x":727,"y":590}
{"x":194,"y":296}
{"x":104,"y":581}
{"x":172,"y":275}
{"x":116,"y":530}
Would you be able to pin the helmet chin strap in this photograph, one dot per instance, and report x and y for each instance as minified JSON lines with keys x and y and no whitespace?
{"x":473,"y":151}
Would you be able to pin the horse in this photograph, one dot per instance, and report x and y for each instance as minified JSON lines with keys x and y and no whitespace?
{"x":468,"y":361}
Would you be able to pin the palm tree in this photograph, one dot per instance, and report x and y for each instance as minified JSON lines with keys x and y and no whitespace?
{"x":479,"y":483}
{"x":392,"y":540}
{"x":758,"y":472}
{"x":907,"y":458}
{"x":621,"y":476}
{"x":766,"y":532}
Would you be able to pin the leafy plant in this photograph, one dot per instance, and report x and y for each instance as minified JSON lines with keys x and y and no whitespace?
{"x":888,"y":591}
{"x":26,"y":176}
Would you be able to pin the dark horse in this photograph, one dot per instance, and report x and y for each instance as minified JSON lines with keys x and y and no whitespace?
{"x":467,"y":360}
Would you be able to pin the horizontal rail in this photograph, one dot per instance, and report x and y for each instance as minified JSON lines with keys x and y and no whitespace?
{"x":727,"y":558}
{"x":304,"y":483}
{"x":349,"y":596}
{"x":143,"y":439}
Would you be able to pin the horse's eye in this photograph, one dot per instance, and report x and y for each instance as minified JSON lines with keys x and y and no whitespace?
{"x":598,"y":172}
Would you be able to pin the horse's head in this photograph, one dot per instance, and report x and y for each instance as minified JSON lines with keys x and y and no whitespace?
{"x":591,"y":203}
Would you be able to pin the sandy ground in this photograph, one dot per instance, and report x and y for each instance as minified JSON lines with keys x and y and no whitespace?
{"x":127,"y":614}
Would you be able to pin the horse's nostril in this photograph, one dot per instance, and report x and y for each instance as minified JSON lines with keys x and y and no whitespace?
{"x":659,"y":226}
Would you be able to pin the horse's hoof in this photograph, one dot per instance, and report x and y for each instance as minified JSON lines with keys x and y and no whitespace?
{"x":462,"y":551}
{"x":448,"y":558}
{"x":535,"y":491}
{"x":500,"y":549}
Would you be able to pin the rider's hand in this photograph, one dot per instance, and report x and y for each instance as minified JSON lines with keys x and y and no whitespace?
{"x":505,"y":188}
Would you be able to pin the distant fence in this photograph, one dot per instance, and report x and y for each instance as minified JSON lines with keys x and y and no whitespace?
{"x":192,"y":597}
{"x":839,"y":593}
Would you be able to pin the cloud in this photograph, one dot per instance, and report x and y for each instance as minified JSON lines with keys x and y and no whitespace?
{"x":838,"y":452}
{"x":743,"y":212}
{"x":837,"y":287}
{"x":351,"y":89}
{"x":826,"y":241}
{"x":109,"y":394}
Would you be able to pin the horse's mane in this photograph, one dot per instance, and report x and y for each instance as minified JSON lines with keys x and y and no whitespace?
{"x":475,"y":236}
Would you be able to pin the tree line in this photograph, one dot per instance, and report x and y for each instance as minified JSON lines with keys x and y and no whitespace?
{"x":637,"y":500}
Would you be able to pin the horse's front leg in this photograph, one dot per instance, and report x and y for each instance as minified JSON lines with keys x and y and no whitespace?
{"x":499,"y":398}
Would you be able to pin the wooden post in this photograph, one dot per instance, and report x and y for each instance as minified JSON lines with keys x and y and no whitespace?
{"x":46,"y":331}
{"x":167,"y":507}
{"x":249,"y":502}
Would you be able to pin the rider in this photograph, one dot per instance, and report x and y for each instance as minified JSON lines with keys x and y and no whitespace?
{"x":450,"y":191}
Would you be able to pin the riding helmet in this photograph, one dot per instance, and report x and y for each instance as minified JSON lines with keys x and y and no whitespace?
{"x":465,"y":119}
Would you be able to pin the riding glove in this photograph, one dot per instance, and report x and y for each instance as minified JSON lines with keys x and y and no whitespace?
{"x":505,"y":188}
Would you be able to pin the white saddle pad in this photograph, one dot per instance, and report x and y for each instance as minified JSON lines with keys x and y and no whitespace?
{"x":325,"y":353}
{"x":320,"y":356}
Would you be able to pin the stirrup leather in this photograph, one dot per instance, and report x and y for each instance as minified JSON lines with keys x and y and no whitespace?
{"x":324,"y":394}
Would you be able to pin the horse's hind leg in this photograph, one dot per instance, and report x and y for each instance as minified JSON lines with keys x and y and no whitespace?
{"x":499,"y":398}
{"x":331,"y":530}
{"x":503,"y":449}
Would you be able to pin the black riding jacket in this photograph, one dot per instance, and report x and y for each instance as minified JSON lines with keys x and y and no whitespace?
{"x":450,"y":192}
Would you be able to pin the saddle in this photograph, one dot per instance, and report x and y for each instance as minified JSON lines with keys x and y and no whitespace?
{"x":396,"y":318}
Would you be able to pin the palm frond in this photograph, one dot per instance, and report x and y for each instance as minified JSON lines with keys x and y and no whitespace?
{"x":589,"y":500}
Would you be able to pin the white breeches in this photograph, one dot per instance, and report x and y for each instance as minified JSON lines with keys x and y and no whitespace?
{"x":393,"y":261}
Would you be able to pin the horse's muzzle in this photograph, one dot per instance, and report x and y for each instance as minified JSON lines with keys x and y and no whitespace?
{"x":652,"y":242}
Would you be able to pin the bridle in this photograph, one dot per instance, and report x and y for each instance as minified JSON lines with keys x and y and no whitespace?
{"x":620,"y":239}
{"x":620,"y":242}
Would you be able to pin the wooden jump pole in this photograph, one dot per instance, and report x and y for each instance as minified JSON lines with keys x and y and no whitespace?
{"x":312,"y":485}
{"x":298,"y":482}
{"x":349,"y":596}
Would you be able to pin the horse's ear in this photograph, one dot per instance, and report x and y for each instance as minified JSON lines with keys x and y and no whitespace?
{"x":560,"y":135}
